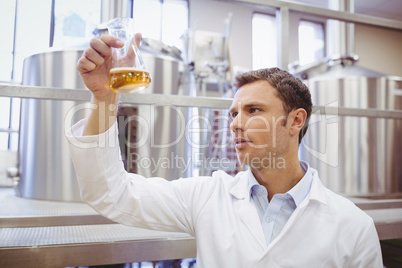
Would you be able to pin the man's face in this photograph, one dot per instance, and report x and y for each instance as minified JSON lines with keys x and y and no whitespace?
{"x":257,"y":125}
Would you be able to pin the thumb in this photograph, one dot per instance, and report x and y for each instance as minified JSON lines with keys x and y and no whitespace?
{"x":137,"y":38}
{"x":130,"y":57}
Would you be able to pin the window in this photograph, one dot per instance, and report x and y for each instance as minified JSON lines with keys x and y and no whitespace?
{"x":264,"y":41}
{"x":8,"y":126}
{"x":147,"y":15}
{"x":74,"y":23}
{"x":174,"y":22}
{"x":163,"y":20}
{"x":7,"y":16}
{"x":311,"y":42}
{"x":32,"y":31}
{"x":9,"y":109}
{"x":75,"y":20}
{"x":28,"y":34}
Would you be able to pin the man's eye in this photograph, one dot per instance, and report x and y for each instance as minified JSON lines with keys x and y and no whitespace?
{"x":233,"y":115}
{"x":253,"y":110}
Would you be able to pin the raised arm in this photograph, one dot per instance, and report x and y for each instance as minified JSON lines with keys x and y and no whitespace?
{"x":94,"y":66}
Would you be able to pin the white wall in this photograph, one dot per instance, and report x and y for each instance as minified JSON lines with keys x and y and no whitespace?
{"x":379,"y":49}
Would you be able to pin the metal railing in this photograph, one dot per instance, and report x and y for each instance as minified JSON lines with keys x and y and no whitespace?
{"x":174,"y":100}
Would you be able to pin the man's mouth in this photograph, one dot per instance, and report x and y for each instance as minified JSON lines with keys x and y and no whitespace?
{"x":240,"y":142}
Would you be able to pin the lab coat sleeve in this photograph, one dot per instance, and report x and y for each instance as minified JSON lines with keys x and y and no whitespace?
{"x":367,"y":253}
{"x":152,"y":203}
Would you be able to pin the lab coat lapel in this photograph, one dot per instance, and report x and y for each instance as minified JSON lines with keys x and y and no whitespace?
{"x":247,"y":211}
{"x":317,"y":193}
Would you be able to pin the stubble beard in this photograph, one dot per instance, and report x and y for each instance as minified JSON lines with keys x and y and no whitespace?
{"x":265,"y":160}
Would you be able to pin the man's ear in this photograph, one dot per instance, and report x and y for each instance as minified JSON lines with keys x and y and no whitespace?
{"x":298,"y":118}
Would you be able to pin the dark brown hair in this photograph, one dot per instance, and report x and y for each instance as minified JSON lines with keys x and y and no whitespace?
{"x":291,"y":91}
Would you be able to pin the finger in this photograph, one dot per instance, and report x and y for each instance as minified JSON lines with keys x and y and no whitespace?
{"x":111,"y":41}
{"x":100,"y":47}
{"x":136,"y":42}
{"x":84,"y":65}
{"x":93,"y":56}
{"x":137,"y":38}
{"x":97,"y":52}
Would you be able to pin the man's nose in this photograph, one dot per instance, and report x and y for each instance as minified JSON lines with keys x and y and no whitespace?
{"x":236,"y":124}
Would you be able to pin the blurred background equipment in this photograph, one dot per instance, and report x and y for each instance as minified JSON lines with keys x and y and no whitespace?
{"x":354,"y":155}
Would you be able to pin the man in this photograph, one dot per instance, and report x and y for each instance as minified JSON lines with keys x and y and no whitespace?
{"x":275,"y":214}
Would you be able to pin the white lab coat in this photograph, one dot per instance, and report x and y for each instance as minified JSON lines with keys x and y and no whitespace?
{"x":325,"y":230}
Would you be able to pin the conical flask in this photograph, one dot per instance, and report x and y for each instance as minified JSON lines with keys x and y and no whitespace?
{"x":129,"y":72}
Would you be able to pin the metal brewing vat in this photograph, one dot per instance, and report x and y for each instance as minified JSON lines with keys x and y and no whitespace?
{"x":355,"y":155}
{"x":45,"y":169}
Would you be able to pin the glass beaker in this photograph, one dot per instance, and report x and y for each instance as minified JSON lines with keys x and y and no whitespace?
{"x":128,"y":72}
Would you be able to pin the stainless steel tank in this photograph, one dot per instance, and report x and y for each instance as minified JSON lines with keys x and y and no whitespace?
{"x":45,"y":169}
{"x":355,"y":155}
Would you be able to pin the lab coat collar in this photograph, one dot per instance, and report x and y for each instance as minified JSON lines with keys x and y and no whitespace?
{"x":240,"y":188}
{"x":317,"y":191}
